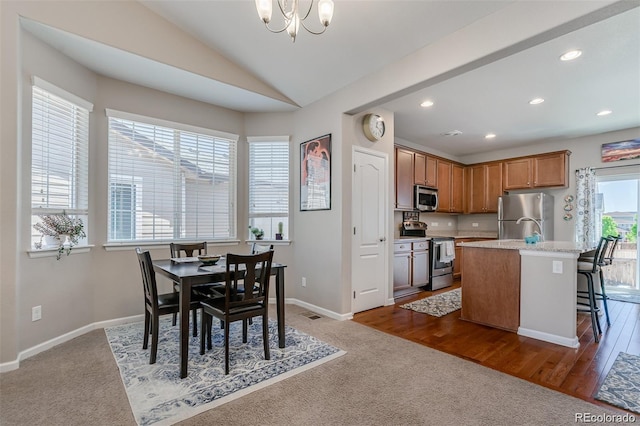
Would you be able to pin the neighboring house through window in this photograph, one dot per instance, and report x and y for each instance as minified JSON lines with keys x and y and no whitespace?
{"x":59,"y":154}
{"x":169,"y":181}
{"x":269,"y":185}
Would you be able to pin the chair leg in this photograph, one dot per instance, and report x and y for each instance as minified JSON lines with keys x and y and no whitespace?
{"x":154,"y":339}
{"x":195,"y":322}
{"x":226,"y":347}
{"x":604,"y":297}
{"x":244,"y":331}
{"x":147,"y":329}
{"x":265,"y":336}
{"x":175,"y":316}
{"x":595,"y":321}
{"x":203,"y":332}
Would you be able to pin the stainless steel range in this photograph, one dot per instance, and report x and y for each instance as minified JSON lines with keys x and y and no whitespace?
{"x":441,"y":257}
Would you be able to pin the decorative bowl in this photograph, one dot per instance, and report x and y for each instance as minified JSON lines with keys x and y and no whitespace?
{"x":209,"y":259}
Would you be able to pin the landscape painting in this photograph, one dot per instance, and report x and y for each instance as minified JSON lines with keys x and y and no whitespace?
{"x":625,"y":150}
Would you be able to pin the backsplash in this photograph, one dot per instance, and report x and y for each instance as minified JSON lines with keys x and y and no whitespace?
{"x":444,"y":223}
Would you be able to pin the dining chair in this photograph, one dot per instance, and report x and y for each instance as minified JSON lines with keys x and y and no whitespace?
{"x":589,"y":269}
{"x":260,"y":248}
{"x":240,"y":305}
{"x":156,"y":304}
{"x":178,"y":250}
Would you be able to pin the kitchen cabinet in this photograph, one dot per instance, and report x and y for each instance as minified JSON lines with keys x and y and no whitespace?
{"x":425,"y":170}
{"x":540,"y":171}
{"x":410,"y":266}
{"x":484,"y":187}
{"x":404,"y":178}
{"x":458,"y":262}
{"x":450,"y":187}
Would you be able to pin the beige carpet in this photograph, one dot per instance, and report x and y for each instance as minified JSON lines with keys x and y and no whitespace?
{"x":382,"y":380}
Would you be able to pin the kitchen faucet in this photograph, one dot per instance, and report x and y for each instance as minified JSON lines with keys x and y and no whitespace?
{"x":536,"y":222}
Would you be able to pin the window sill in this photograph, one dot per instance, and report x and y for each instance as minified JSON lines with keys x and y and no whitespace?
{"x":157,"y":245}
{"x":53,"y":251}
{"x":274,"y":242}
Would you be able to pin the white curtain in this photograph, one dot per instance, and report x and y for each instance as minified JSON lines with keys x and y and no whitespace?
{"x":586,"y":230}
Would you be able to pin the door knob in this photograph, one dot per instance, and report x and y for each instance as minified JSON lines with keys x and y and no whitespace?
{"x":383,"y":239}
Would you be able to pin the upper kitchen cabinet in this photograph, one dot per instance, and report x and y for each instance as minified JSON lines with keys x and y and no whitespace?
{"x":404,"y":179}
{"x":425,"y":170}
{"x":484,"y":187}
{"x":539,"y":171}
{"x":450,"y":187}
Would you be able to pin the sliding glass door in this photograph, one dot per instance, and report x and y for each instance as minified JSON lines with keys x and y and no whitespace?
{"x":618,"y":203}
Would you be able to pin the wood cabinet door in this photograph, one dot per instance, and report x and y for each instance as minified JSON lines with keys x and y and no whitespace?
{"x":420,"y":268}
{"x":401,"y":271}
{"x":444,"y":186}
{"x":517,"y":173}
{"x":550,"y":170}
{"x":457,"y":262}
{"x":419,"y":168}
{"x":457,"y":189}
{"x":431,"y":173}
{"x":493,"y":187}
{"x":404,"y":179}
{"x":477,"y":186}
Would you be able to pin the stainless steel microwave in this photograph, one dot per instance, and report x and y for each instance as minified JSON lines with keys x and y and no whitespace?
{"x":425,"y":198}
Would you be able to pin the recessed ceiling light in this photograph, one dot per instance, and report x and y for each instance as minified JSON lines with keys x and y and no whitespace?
{"x":571,"y":55}
{"x":536,"y":101}
{"x":426,"y":104}
{"x":452,"y":133}
{"x":604,"y":112}
{"x":489,"y":136}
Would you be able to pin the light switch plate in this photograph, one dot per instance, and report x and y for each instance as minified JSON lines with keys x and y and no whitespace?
{"x":557,"y":267}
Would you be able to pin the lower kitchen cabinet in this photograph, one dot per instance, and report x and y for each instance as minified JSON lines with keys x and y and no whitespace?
{"x":410,"y":266}
{"x":457,"y":263}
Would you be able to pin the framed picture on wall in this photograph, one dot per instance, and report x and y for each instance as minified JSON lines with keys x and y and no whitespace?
{"x":315,"y":174}
{"x":625,"y":150}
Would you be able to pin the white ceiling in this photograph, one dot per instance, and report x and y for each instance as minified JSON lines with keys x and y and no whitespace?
{"x":364,"y":37}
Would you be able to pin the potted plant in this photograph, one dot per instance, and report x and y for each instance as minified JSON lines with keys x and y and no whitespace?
{"x":280,"y":229}
{"x":257,"y":232}
{"x":66,"y":230}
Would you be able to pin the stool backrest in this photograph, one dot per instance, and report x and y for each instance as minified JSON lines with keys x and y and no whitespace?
{"x":601,"y":251}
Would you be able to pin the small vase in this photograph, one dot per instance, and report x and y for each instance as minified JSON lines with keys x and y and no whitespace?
{"x":50,"y":241}
{"x":278,"y":236}
{"x":259,"y":237}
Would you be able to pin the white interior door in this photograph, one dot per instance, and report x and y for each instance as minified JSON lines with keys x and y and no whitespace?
{"x":369,"y":258}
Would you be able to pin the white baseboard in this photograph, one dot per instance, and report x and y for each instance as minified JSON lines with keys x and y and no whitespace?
{"x":28,"y":353}
{"x":552,"y":338}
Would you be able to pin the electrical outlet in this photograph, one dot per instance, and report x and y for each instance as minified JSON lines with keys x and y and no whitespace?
{"x":475,"y":224}
{"x":304,"y":281}
{"x":36,"y":313}
{"x":434,"y":223}
{"x":557,"y":267}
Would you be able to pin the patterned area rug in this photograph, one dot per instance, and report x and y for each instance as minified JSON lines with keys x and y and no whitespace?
{"x":157,"y":394}
{"x":621,"y":387}
{"x":438,"y":305}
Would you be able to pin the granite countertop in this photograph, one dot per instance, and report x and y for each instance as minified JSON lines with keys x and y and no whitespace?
{"x":548,"y":246}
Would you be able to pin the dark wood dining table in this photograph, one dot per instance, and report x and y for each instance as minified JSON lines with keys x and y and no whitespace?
{"x":188,"y":274}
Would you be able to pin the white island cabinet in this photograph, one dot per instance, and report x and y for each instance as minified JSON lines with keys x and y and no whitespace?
{"x":548,"y":286}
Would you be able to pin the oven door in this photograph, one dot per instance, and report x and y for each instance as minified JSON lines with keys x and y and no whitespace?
{"x":440,"y":264}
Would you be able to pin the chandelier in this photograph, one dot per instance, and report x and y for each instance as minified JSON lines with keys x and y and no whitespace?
{"x":293,"y":17}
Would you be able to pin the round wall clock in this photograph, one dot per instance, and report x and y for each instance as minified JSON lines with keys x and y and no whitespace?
{"x":373,"y":127}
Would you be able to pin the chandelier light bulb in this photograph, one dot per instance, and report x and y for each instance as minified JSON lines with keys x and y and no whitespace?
{"x":293,"y":17}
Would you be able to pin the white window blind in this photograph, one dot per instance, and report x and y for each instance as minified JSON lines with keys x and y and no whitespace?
{"x":269,"y":185}
{"x":169,"y":181}
{"x":59,"y":153}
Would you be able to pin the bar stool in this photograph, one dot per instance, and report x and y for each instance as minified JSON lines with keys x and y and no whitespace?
{"x":589,"y":269}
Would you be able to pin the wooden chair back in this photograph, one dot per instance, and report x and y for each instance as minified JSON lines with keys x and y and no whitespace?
{"x":148,"y":280}
{"x":252,"y":272}
{"x":260,"y":248}
{"x":189,"y":249}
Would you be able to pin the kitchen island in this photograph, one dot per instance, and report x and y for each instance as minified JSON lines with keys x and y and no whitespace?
{"x":525,"y":288}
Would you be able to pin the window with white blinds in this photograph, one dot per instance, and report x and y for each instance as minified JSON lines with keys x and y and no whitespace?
{"x":269,"y":185}
{"x":59,"y":154}
{"x":169,"y":181}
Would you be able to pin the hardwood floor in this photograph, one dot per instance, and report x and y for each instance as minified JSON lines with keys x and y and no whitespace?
{"x":577,"y":372}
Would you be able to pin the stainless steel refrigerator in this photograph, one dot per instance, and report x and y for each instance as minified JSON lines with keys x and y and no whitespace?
{"x":528,"y":209}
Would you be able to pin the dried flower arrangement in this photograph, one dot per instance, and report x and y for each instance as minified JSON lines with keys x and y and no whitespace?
{"x":58,"y":225}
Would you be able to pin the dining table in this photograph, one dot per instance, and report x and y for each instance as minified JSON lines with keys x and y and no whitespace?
{"x":189,"y":273}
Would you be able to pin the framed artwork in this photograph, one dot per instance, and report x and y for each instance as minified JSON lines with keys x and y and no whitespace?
{"x":315,"y":174}
{"x":625,"y":150}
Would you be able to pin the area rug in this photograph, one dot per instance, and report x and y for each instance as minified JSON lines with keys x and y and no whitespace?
{"x":158,"y":396}
{"x":621,"y":387}
{"x":438,"y":305}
